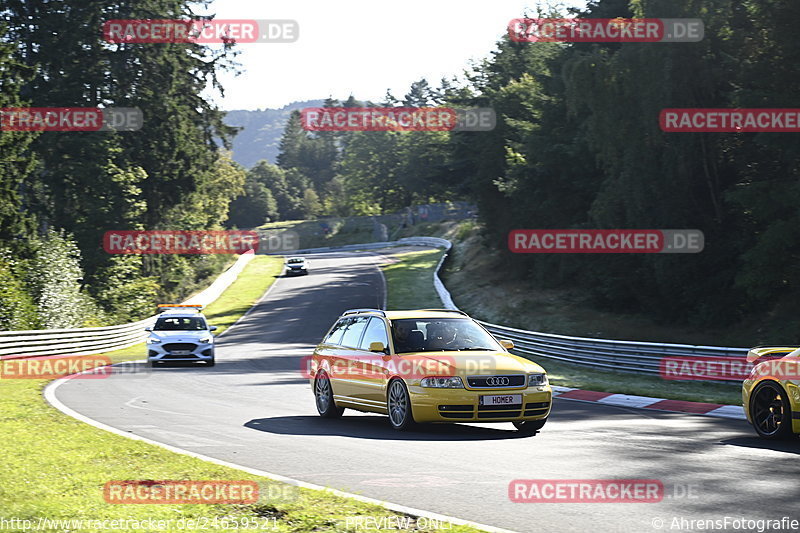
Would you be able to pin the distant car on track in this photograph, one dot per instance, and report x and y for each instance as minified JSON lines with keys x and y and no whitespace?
{"x":296,"y":265}
{"x":771,"y":393}
{"x":180,"y":333}
{"x":428,"y":365}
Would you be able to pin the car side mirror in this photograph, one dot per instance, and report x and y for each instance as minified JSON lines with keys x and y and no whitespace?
{"x":377,"y":346}
{"x":148,"y":329}
{"x":212,"y":328}
{"x":507,"y":344}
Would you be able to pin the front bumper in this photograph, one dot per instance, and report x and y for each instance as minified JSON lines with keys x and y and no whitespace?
{"x":461,"y":405}
{"x":168,"y":352}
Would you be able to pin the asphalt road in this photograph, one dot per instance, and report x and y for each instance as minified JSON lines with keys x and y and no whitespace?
{"x":254,"y":409}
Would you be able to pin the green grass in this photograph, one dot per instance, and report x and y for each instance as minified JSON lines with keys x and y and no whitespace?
{"x":54,"y":466}
{"x":410,"y":281}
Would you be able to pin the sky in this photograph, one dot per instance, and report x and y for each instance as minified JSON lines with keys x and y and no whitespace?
{"x":361,"y":47}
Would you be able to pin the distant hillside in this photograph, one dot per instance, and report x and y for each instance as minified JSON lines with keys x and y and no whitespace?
{"x":262,"y":131}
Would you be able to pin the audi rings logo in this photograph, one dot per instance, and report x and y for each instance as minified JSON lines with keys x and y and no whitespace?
{"x":497,"y":381}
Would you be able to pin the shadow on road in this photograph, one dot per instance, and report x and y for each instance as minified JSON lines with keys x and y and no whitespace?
{"x":376,"y":427}
{"x":757,"y":443}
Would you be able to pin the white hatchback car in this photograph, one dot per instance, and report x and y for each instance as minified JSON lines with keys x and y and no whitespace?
{"x":296,"y":265}
{"x":180,"y":333}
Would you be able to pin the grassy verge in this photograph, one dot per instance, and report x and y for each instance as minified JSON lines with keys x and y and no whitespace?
{"x":56,"y":467}
{"x":409,"y":284}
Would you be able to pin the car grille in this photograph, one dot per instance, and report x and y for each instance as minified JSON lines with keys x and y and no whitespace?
{"x":498,"y":414}
{"x":488,"y":382}
{"x":534,"y":409}
{"x":172,"y":346}
{"x":456,"y":411}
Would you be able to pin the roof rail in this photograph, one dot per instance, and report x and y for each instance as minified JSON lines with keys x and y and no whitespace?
{"x":447,"y":311}
{"x":364,"y":310}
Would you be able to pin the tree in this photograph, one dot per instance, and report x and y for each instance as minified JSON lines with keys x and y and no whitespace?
{"x":286,"y":187}
{"x":311,"y":204}
{"x":255,"y":206}
{"x":17,"y":161}
{"x":420,"y":95}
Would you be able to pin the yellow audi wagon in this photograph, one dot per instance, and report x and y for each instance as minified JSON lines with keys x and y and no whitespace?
{"x":428,"y":365}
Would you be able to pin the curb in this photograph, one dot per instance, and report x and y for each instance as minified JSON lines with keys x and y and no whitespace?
{"x":49,"y":394}
{"x":645,"y":402}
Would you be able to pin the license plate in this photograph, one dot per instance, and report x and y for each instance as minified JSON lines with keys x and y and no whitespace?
{"x":181,"y":352}
{"x":501,"y":399}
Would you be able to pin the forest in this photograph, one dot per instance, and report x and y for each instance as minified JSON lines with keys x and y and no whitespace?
{"x":577,"y":146}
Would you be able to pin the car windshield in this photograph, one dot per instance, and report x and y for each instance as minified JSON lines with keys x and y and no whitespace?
{"x":295,"y":261}
{"x":180,"y":323}
{"x":440,"y":334}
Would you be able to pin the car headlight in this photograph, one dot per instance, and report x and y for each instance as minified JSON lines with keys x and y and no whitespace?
{"x":451,"y":382}
{"x":206,"y":340}
{"x":537,"y":380}
{"x":153,"y":340}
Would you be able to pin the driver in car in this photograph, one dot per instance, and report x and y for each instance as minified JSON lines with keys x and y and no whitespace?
{"x":442,"y":336}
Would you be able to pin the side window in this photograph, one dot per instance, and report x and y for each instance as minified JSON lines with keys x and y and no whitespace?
{"x":376,"y":332}
{"x":335,"y":336}
{"x":352,"y":335}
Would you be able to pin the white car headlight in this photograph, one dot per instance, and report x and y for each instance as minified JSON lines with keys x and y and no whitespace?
{"x":206,"y":340}
{"x":537,"y":380}
{"x":153,"y":340}
{"x":451,"y":382}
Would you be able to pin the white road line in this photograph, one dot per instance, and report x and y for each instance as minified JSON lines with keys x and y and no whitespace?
{"x":728,"y":411}
{"x":625,"y":400}
{"x":50,"y":397}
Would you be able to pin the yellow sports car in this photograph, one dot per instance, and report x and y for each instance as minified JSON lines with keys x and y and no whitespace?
{"x":429,"y":365}
{"x":771,"y":393}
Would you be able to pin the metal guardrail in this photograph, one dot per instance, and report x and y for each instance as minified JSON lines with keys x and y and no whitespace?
{"x":628,"y":356}
{"x":87,"y":341}
{"x":406,"y":241}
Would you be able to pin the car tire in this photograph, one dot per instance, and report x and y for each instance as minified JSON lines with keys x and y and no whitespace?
{"x":323,"y":397}
{"x":398,"y":404}
{"x":212,"y":362}
{"x":529,"y":427}
{"x":770,"y":411}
